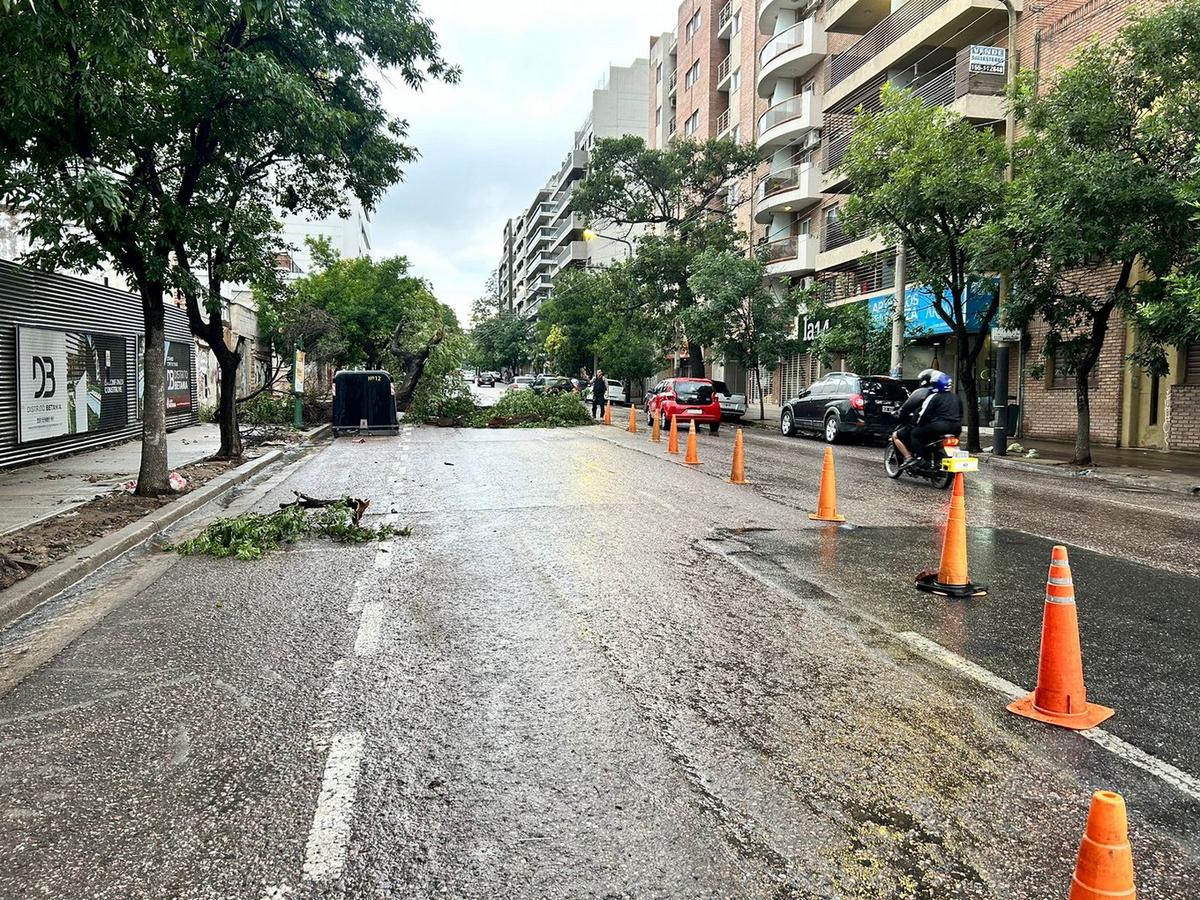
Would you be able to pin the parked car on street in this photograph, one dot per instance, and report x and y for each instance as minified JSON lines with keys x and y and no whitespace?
{"x":733,"y":406}
{"x":687,"y":399}
{"x":615,"y":392}
{"x":553,"y":384}
{"x":842,"y":404}
{"x":485,"y":378}
{"x":522,"y":383}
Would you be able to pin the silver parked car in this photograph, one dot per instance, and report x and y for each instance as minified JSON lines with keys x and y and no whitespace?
{"x":733,"y":406}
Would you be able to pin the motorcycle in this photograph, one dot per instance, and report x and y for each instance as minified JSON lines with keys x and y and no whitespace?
{"x":929,"y":464}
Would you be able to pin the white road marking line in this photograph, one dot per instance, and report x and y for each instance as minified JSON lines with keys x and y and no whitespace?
{"x":277,"y":892}
{"x":1164,"y":771}
{"x":325,"y":854}
{"x":361,"y":588}
{"x":370,"y":629}
{"x":654,"y":498}
{"x":383,"y":555}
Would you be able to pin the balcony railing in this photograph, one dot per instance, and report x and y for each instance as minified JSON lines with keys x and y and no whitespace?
{"x":883,"y":35}
{"x":837,"y":129}
{"x":723,"y":121}
{"x":726,"y":15}
{"x":783,"y":42}
{"x":671,"y":82}
{"x":835,"y":235}
{"x":780,"y":250}
{"x":670,"y":126}
{"x":791,"y":108}
{"x":784,"y":180}
{"x":723,"y":69}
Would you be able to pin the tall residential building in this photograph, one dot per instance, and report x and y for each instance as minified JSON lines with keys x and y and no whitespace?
{"x":547,"y":237}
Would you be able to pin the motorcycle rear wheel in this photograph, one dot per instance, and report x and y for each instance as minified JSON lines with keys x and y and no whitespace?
{"x":891,"y":461}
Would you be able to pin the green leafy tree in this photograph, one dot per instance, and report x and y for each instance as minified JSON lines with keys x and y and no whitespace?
{"x":853,"y":334}
{"x":925,"y":176}
{"x":1102,"y":214}
{"x":678,"y":191}
{"x":504,"y":340}
{"x":756,"y":325}
{"x":166,"y":138}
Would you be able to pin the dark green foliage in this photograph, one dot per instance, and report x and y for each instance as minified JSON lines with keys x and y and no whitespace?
{"x":530,"y":410}
{"x":853,"y":333}
{"x":268,"y":409}
{"x":251,"y":535}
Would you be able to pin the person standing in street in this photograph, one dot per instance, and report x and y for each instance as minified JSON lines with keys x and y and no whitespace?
{"x":599,"y":393}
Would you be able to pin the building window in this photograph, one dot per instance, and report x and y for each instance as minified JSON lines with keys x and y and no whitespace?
{"x":1191,"y":364}
{"x":658,"y":116}
{"x":693,"y":74}
{"x":737,"y":23}
{"x":692,"y":125}
{"x":693,"y":26}
{"x":658,"y":74}
{"x":735,"y":193}
{"x":735,"y":81}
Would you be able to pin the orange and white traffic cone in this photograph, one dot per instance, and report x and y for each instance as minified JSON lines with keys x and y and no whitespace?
{"x":693,"y":457}
{"x":1104,"y":867}
{"x":655,"y":430}
{"x":737,"y":473}
{"x":632,"y":420}
{"x":827,"y":498}
{"x":607,"y":413}
{"x":1060,"y":697}
{"x":673,"y":437}
{"x":951,"y":579}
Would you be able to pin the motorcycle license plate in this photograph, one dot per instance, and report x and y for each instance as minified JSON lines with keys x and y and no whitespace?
{"x":961,"y":464}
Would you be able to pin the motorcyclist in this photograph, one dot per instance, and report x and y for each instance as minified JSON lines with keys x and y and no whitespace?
{"x":941,"y":414}
{"x":908,"y":413}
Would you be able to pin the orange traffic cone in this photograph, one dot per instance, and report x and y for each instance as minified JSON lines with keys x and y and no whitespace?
{"x":673,"y":438}
{"x":632,"y":420}
{"x":827,"y":499}
{"x":655,"y":430}
{"x":1060,"y":698}
{"x":607,"y":413}
{"x":692,"y":458}
{"x":1104,"y":868}
{"x":737,"y":474}
{"x":951,"y":580}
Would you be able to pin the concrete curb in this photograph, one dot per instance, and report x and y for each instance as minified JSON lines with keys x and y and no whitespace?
{"x":26,"y":595}
{"x":1149,"y":481}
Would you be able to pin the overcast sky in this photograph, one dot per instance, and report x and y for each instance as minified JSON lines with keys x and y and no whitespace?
{"x":489,"y":142}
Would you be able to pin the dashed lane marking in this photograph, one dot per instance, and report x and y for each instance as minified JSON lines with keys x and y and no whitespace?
{"x":370,"y":629}
{"x":383,"y":555}
{"x":325,"y":855}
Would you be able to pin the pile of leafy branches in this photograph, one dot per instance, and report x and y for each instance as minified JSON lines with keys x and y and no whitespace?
{"x":442,"y":397}
{"x":251,"y":535}
{"x":525,"y":409}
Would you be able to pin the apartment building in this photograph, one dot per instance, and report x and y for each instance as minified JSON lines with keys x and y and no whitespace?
{"x":547,"y":237}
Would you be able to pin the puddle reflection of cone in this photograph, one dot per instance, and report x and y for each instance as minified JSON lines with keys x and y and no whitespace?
{"x":1104,"y":867}
{"x":607,"y":413}
{"x":1060,"y":697}
{"x":655,"y":430}
{"x":693,"y":457}
{"x":737,"y":473}
{"x":827,"y":499}
{"x":951,"y":579}
{"x":632,"y":420}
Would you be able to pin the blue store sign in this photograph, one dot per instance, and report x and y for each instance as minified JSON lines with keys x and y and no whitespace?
{"x":920,"y":315}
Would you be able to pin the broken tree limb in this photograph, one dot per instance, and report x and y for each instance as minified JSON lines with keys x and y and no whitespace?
{"x":304,"y":501}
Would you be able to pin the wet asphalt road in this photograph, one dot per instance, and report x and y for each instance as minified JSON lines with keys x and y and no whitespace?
{"x":593,"y":672}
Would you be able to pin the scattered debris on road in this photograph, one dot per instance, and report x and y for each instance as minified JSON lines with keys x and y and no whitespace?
{"x":252,"y":535}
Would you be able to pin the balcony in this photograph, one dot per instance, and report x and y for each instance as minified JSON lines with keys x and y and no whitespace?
{"x":904,"y":36}
{"x":786,"y":122}
{"x":573,"y":222}
{"x":855,"y":16}
{"x":670,"y":126}
{"x":723,"y":74}
{"x":790,"y":54}
{"x":574,"y":252}
{"x":769,"y":10}
{"x":838,"y":247}
{"x":575,"y":164}
{"x":794,"y":255}
{"x":672,"y":82}
{"x":724,"y":123}
{"x":725,"y":19}
{"x":789,"y":190}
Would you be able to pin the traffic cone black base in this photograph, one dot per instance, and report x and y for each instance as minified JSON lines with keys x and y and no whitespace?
{"x":927,"y":581}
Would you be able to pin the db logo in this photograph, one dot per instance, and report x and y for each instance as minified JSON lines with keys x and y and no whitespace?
{"x":43,"y":368}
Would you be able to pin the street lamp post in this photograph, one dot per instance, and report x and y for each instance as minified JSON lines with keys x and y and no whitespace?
{"x":1000,"y":393}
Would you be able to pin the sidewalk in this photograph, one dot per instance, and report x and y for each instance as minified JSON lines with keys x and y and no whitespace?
{"x":1170,"y":470}
{"x":31,"y":493}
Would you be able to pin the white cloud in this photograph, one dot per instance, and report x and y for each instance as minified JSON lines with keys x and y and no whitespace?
{"x":488,"y":143}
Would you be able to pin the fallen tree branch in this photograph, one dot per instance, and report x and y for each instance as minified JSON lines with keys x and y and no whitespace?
{"x":304,"y":501}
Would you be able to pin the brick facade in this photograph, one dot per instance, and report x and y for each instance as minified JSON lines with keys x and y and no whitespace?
{"x":1183,"y":416}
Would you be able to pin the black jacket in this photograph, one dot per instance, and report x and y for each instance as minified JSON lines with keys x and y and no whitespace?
{"x":943,"y":409}
{"x":599,"y":388}
{"x":912,"y":406}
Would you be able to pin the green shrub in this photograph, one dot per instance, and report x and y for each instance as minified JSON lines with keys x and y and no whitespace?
{"x":447,"y":397}
{"x":536,"y":410}
{"x":267,"y":409}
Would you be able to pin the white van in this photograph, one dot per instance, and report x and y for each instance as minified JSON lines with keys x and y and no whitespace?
{"x":615,"y":392}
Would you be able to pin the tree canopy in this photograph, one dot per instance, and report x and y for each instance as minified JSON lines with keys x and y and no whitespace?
{"x":926,"y":177}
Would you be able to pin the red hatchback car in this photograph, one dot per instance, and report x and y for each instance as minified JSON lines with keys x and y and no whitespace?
{"x":688,"y":399}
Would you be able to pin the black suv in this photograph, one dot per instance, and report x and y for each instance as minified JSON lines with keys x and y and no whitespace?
{"x":843,"y":403}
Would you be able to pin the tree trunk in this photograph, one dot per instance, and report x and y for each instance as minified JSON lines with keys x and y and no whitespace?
{"x":695,"y":361}
{"x":153,"y":474}
{"x":762,"y":411}
{"x":231,"y":438}
{"x":1083,"y":412}
{"x":971,"y":389}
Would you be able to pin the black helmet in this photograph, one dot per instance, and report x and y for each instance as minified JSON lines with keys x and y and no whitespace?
{"x":926,"y":376}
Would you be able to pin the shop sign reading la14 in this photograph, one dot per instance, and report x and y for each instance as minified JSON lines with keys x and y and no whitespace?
{"x":70,"y":382}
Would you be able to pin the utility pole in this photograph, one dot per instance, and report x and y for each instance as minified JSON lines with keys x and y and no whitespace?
{"x":1000,"y":393}
{"x":897,"y":367}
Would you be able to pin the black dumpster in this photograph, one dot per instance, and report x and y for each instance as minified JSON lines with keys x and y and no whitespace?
{"x":364,"y":401}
